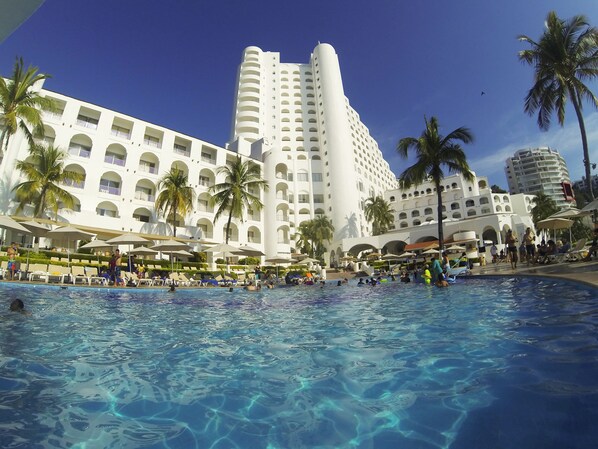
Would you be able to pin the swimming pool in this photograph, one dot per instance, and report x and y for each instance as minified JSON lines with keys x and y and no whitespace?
{"x":486,"y":363}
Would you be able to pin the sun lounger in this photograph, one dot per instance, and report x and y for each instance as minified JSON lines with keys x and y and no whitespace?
{"x":577,"y":252}
{"x":58,"y":273}
{"x":94,"y":277}
{"x":79,"y":275}
{"x":38,"y":272}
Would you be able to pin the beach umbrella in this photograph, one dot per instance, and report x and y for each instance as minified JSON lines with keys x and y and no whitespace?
{"x":390,"y":257}
{"x":225,"y":249}
{"x":592,"y":206}
{"x":279,"y":260}
{"x":431,"y":251}
{"x":308,"y":260}
{"x":407,"y":254}
{"x":249,"y":251}
{"x":170,"y":246}
{"x":97,"y":245}
{"x":456,"y":248}
{"x":143,"y":251}
{"x":128,"y":239}
{"x":7,"y":222}
{"x":554,"y":224}
{"x":70,"y":234}
{"x":571,"y":213}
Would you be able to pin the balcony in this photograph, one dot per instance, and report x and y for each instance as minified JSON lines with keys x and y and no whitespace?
{"x":144,"y":196}
{"x":109,"y":189}
{"x":114,"y":160}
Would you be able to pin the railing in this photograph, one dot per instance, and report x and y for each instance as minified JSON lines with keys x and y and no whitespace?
{"x":182,"y":151}
{"x":111,"y":159}
{"x":80,"y":151}
{"x":152,"y":143}
{"x":87,"y":124}
{"x":148,"y":169}
{"x":110,"y":190}
{"x":144,"y":196}
{"x":122,"y":134}
{"x":71,"y":183}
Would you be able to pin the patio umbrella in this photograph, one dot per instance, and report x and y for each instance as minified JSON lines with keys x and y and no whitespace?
{"x":225,"y":249}
{"x":390,"y":257}
{"x":407,"y":254}
{"x":592,"y":206}
{"x":97,"y":245}
{"x":431,"y":251}
{"x":571,"y":213}
{"x":8,"y":223}
{"x":308,"y":260}
{"x":170,"y":246}
{"x":554,"y":224}
{"x":70,"y":234}
{"x":279,"y":260}
{"x":456,"y":248}
{"x":127,"y":239}
{"x":143,"y":251}
{"x":249,"y":251}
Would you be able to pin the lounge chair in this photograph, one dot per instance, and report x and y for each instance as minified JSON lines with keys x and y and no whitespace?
{"x":94,"y":277}
{"x":38,"y":272}
{"x":80,"y":275}
{"x":58,"y":273}
{"x":577,"y":252}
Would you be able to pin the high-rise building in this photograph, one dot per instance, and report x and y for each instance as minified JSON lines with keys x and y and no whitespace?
{"x":319,"y":157}
{"x":540,"y":170}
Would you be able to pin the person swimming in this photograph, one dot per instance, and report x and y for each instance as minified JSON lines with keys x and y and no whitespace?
{"x":18,"y":306}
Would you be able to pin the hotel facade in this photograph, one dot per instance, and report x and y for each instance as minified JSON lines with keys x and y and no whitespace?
{"x":293,"y":120}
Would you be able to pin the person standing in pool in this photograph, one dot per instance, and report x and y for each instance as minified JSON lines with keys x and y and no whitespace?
{"x":511,"y":242}
{"x":114,"y":267}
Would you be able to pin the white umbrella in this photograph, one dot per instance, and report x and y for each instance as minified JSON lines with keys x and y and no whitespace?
{"x":127,"y":239}
{"x":554,"y":224}
{"x":249,"y":251}
{"x":571,"y":213}
{"x":97,"y":245}
{"x":456,"y":248}
{"x":8,"y":223}
{"x":279,"y":260}
{"x":389,"y":257}
{"x":407,"y":254}
{"x":592,"y":206}
{"x":223,"y":248}
{"x":431,"y":251}
{"x":70,"y":234}
{"x":143,"y":251}
{"x":308,"y":260}
{"x":170,"y":246}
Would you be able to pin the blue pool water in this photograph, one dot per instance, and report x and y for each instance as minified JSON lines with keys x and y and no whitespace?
{"x":486,"y":363}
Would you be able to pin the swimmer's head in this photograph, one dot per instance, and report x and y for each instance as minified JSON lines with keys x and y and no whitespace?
{"x":17,"y":305}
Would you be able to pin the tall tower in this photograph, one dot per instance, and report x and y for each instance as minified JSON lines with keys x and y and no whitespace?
{"x":319,"y":158}
{"x":540,"y":170}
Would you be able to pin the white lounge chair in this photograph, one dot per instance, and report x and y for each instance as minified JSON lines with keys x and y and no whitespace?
{"x":38,"y":272}
{"x":58,"y":272}
{"x":80,"y":275}
{"x":577,"y":252}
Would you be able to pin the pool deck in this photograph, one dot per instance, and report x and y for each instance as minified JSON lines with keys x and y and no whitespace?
{"x":584,"y":272}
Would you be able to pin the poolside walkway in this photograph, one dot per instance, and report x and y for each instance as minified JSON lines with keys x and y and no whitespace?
{"x":586,"y":272}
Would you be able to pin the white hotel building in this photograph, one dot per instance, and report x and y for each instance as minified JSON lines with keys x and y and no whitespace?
{"x":293,"y":120}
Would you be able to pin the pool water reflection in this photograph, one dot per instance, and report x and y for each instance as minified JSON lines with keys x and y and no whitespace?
{"x":505,"y":363}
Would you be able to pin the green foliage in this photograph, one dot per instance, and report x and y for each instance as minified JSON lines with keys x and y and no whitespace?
{"x":433,"y":151}
{"x":379,"y":213}
{"x":544,"y":207}
{"x":312,"y":235}
{"x":565,"y":57}
{"x":497,"y":189}
{"x":240,"y":191}
{"x":176,"y":196}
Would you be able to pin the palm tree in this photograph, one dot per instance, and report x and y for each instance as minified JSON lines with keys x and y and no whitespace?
{"x":44,"y":170}
{"x":433,"y":151}
{"x":238,"y":192}
{"x":20,"y":105}
{"x":177,"y":196}
{"x":544,"y":207}
{"x":313,"y":233}
{"x":378,"y":211}
{"x":565,"y":57}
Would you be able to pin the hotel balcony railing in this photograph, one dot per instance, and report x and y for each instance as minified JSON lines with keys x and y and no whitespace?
{"x":77,"y":185}
{"x":145,"y":196}
{"x":182,"y":152}
{"x":205,"y":183}
{"x":80,"y":151}
{"x":110,"y":190}
{"x":152,"y":143}
{"x":57,"y":115}
{"x":121,"y":134}
{"x":209,"y":160}
{"x":146,"y":169}
{"x":86,"y":124}
{"x":114,"y":160}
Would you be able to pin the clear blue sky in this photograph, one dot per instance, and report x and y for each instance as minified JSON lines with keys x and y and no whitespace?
{"x":174,"y":63}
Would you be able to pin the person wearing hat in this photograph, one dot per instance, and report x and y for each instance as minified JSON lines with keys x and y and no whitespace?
{"x":427,"y":275}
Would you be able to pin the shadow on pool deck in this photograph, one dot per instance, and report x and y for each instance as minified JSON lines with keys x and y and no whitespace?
{"x":586,"y":272}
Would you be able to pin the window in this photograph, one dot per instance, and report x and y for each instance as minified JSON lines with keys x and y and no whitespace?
{"x":302,"y":176}
{"x":144,"y":194}
{"x":87,"y":122}
{"x":204,"y":181}
{"x":318,"y":198}
{"x":316,"y":177}
{"x":289,"y":177}
{"x":206,"y":157}
{"x":108,"y":186}
{"x":142,"y":218}
{"x":149,"y":167}
{"x":303,"y":198}
{"x":120,"y":131}
{"x":106,"y":212}
{"x":76,"y":149}
{"x":181,"y":149}
{"x":114,"y":158}
{"x":151,"y":141}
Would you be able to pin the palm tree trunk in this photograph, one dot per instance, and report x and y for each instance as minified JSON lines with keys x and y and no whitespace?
{"x":439,"y":211}
{"x":230,"y":217}
{"x":584,"y":143}
{"x":39,"y":207}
